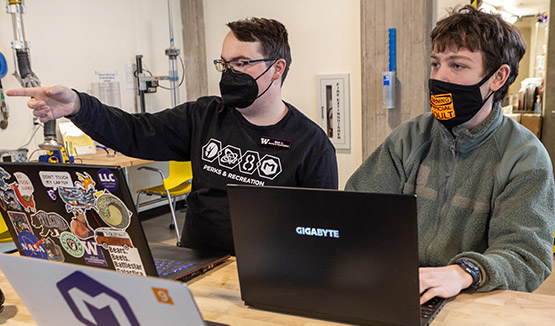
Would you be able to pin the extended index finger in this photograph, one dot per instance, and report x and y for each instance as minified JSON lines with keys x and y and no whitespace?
{"x":31,"y":91}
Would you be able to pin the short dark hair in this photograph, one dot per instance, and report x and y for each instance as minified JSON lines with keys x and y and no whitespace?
{"x":271,"y":34}
{"x":472,"y":29}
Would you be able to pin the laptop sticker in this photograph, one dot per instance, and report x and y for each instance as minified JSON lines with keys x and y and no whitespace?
{"x":107,"y":237}
{"x":80,"y":226}
{"x":108,"y":179}
{"x":52,"y":194}
{"x":23,"y":190}
{"x":20,"y":222}
{"x":55,"y":179}
{"x":71,"y":244}
{"x":49,"y":223}
{"x":54,"y":251}
{"x":113,"y":211}
{"x":10,"y":200}
{"x":126,"y":260}
{"x":93,"y":303}
{"x":93,"y":254}
{"x":162,"y":295}
{"x":77,"y":197}
{"x":4,"y":176}
{"x":31,"y":245}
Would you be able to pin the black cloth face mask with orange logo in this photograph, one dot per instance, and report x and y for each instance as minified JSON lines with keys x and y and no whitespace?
{"x":454,"y":104}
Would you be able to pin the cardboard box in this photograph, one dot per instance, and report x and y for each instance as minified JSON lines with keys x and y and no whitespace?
{"x":533,"y":122}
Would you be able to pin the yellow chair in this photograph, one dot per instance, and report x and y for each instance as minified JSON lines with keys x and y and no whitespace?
{"x":4,"y":233}
{"x":178,"y":182}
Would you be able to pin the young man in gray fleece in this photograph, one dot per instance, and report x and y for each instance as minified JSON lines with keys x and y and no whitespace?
{"x":484,"y":183}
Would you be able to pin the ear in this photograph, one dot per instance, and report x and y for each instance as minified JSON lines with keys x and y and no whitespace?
{"x":279,"y":68}
{"x":500,"y":77}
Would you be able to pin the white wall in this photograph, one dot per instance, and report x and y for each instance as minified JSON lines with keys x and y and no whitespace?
{"x":70,"y":40}
{"x":324,"y":36}
{"x":443,"y":7}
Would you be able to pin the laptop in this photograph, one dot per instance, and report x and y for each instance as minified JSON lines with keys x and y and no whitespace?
{"x":338,"y":255}
{"x":68,"y":294}
{"x":84,"y":214}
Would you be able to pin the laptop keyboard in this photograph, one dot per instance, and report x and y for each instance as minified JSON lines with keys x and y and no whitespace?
{"x":430,"y":309}
{"x":165,"y":267}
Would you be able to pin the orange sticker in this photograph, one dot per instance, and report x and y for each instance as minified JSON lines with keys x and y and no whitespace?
{"x":162,"y":295}
{"x":442,"y":106}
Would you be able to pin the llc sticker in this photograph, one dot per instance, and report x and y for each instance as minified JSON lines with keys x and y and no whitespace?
{"x":108,"y":179}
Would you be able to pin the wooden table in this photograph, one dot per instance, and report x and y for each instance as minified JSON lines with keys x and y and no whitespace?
{"x":218,"y":298}
{"x":101,"y":158}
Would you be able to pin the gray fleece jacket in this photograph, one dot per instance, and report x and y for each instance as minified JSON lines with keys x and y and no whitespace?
{"x":486,"y":194}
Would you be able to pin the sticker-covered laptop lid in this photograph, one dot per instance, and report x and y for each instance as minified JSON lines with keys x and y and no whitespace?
{"x":74,"y":213}
{"x":67,"y":294}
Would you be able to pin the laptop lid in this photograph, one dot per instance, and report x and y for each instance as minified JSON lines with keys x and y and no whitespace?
{"x":332,"y":254}
{"x":68,"y":294}
{"x":84,"y":214}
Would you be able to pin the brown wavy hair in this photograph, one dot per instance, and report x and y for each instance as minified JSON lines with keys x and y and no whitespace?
{"x":499,"y":42}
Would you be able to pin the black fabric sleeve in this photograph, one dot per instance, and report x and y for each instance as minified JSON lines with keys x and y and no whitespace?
{"x":159,"y":136}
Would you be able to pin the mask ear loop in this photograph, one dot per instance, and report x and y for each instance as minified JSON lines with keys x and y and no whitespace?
{"x":487,"y":77}
{"x":267,"y":88}
{"x":487,"y":98}
{"x":483,"y":82}
{"x":265,"y":71}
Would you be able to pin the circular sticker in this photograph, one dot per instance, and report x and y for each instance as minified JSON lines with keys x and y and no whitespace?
{"x":113,"y":211}
{"x":71,"y":244}
{"x":31,"y":245}
{"x":108,"y":179}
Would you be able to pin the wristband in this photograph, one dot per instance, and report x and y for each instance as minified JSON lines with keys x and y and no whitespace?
{"x":471,"y":268}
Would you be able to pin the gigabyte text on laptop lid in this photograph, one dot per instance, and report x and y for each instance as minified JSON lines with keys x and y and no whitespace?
{"x":331,"y":254}
{"x":84,"y":214}
{"x":68,"y":294}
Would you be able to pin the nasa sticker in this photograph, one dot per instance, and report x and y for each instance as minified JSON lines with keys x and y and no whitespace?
{"x":31,"y":246}
{"x":108,"y":179}
{"x":72,"y":244}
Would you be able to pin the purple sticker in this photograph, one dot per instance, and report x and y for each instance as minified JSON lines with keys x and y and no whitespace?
{"x":93,"y":254}
{"x":31,"y":246}
{"x":52,"y":194}
{"x":95,"y":304}
{"x":108,"y":179}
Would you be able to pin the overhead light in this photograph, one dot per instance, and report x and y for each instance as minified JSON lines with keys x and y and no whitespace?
{"x":511,"y":19}
{"x":507,"y":16}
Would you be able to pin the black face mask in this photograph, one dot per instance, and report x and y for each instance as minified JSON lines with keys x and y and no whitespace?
{"x":454,"y":104}
{"x":239,"y":89}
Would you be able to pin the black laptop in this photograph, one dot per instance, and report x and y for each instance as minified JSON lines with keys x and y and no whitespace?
{"x":84,"y":214}
{"x":337,"y":255}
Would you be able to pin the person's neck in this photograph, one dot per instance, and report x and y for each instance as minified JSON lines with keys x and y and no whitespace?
{"x":480,"y":116}
{"x":266,"y":110}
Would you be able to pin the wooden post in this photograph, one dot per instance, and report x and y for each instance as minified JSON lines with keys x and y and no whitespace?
{"x":194,"y":49}
{"x":413,"y":21}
